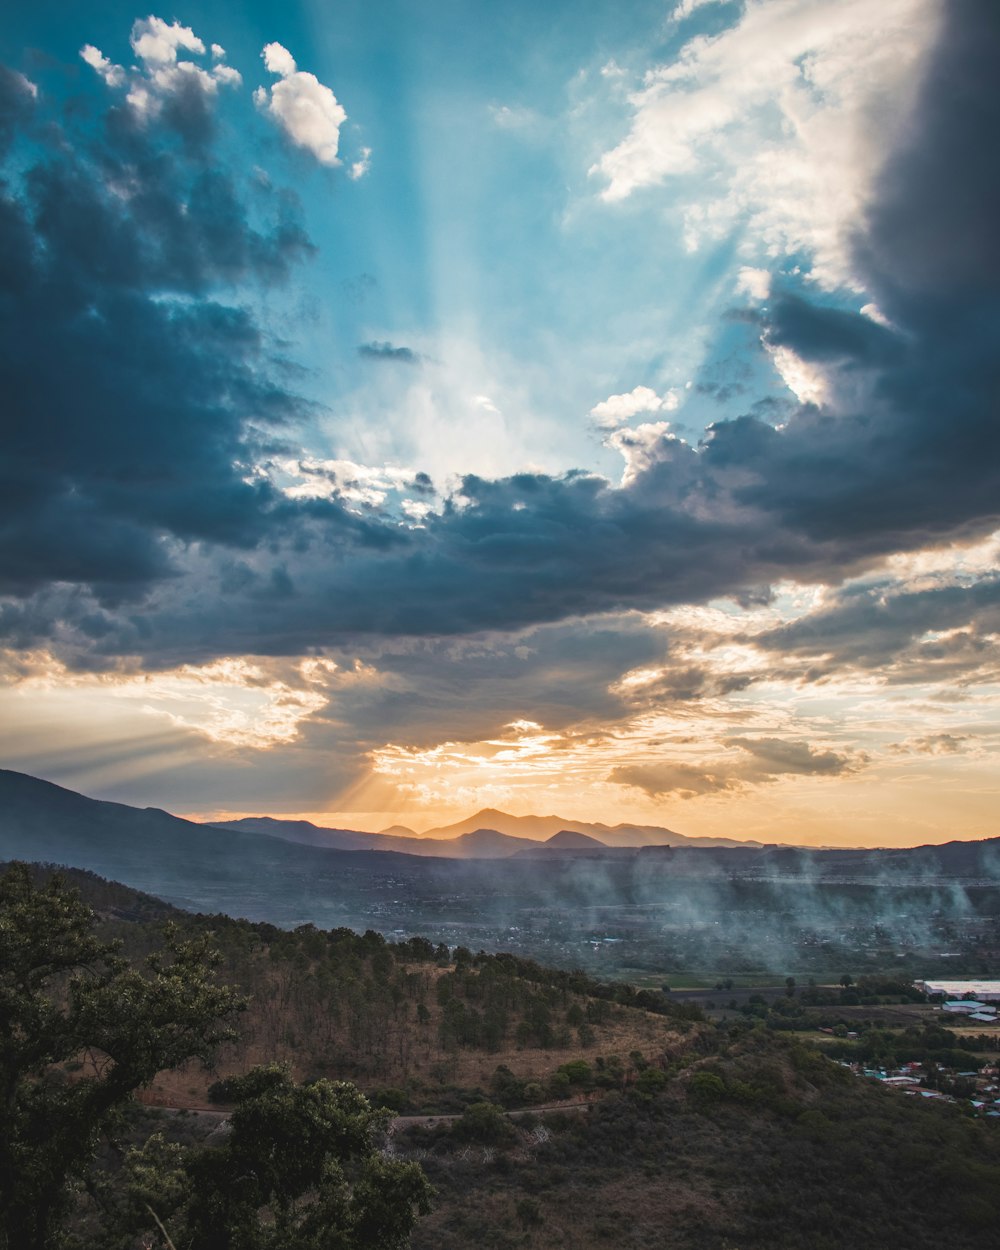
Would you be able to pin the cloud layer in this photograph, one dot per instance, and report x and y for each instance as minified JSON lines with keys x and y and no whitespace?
{"x":129,"y":454}
{"x":162,"y":509}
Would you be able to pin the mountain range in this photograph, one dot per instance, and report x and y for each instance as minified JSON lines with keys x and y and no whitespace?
{"x":488,"y":834}
{"x":540,"y":828}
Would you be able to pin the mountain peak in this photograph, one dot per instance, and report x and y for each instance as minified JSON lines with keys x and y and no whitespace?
{"x":571,"y":840}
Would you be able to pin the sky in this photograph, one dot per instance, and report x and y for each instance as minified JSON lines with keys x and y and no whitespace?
{"x":577,"y":408}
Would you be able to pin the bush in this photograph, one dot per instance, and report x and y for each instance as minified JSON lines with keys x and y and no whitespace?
{"x":483,"y":1122}
{"x":650,"y":1081}
{"x":706,"y":1087}
{"x":391,"y":1099}
{"x":577,"y":1071}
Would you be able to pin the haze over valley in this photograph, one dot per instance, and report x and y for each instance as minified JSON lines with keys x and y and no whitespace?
{"x":650,"y":909}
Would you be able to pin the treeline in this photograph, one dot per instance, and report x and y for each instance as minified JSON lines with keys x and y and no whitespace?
{"x":867,"y":991}
{"x":485,"y":994}
{"x":109,"y":899}
{"x":576,"y":981}
{"x":927,"y":1045}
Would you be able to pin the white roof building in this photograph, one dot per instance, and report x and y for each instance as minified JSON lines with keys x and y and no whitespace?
{"x":984,"y":991}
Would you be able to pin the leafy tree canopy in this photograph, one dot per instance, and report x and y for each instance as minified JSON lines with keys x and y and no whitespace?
{"x":81,"y":1030}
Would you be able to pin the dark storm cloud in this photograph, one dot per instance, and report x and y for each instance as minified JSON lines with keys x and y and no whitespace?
{"x":779,"y":756}
{"x":468,"y":689}
{"x":422,"y":484}
{"x":127,"y":387}
{"x":521,"y":550}
{"x":830,"y":334}
{"x":927,"y":448}
{"x":908,"y":635}
{"x":685,"y":781}
{"x":188,"y":111}
{"x":931,"y":236}
{"x":389,"y":352}
{"x":130,"y":388}
{"x":17,"y":99}
{"x":771,"y":758}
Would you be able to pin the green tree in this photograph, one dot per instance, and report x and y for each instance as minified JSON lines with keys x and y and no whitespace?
{"x":706,"y":1087}
{"x":66,"y":995}
{"x":299,"y":1170}
{"x":577,"y":1071}
{"x":483,"y":1122}
{"x":650,"y":1081}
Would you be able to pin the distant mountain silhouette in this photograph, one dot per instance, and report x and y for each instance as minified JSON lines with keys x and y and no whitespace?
{"x":487,"y":835}
{"x":478,"y":844}
{"x":541,"y":828}
{"x":569,"y":842}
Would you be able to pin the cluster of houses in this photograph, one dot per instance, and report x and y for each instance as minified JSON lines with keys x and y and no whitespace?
{"x":974,"y":1001}
{"x":909,"y":1078}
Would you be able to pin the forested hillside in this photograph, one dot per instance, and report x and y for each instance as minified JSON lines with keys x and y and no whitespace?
{"x":419,"y":1026}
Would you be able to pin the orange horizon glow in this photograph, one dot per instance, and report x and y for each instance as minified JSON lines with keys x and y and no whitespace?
{"x":764,"y":753}
{"x":437,"y":831}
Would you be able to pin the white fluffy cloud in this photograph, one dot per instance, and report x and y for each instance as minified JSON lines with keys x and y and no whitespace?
{"x":807,"y":382}
{"x":160,"y":73}
{"x":756,"y":283}
{"x":156,"y":42}
{"x":641,"y":447}
{"x":361,"y":166}
{"x":687,"y":7}
{"x":112,"y":74}
{"x":617,"y":409}
{"x":788,"y":112}
{"x":306,"y":110}
{"x":357,"y":485}
{"x":278,"y":60}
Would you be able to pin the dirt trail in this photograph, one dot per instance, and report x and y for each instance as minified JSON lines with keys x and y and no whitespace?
{"x":407,"y":1121}
{"x":220,"y":1117}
